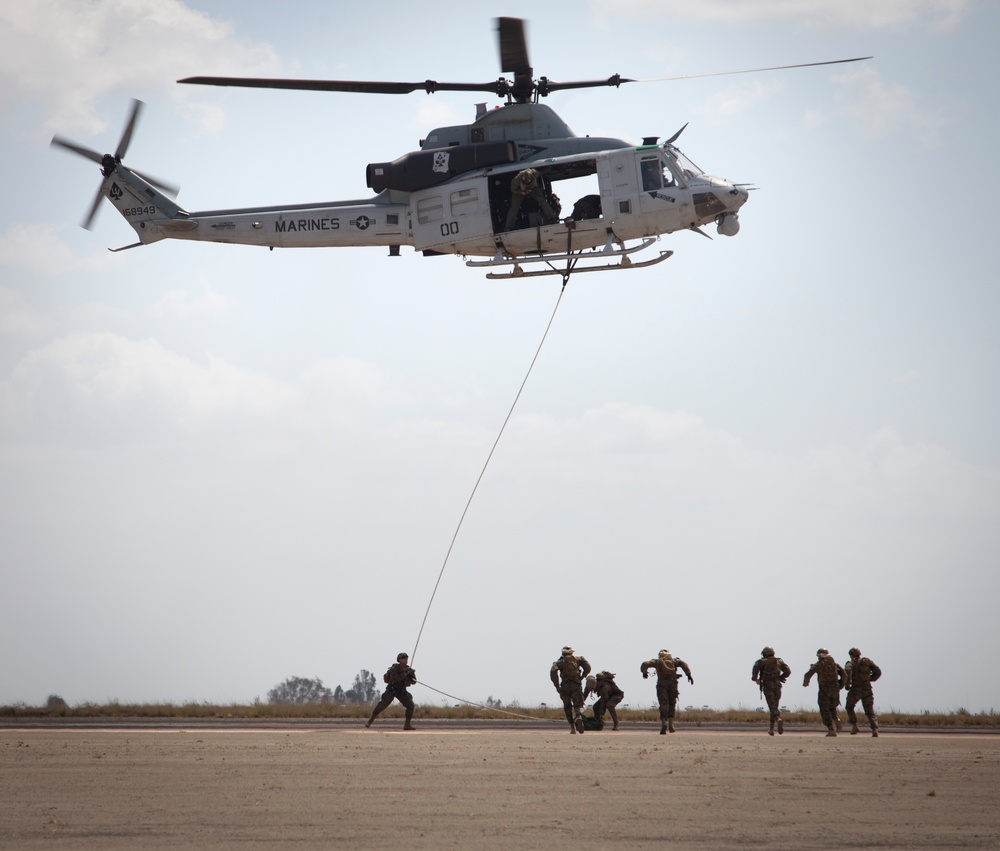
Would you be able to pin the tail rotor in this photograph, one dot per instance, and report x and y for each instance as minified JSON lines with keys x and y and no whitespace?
{"x":108,"y":162}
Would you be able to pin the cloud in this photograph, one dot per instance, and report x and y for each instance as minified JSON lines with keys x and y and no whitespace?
{"x":17,"y":317}
{"x":737,"y":99}
{"x":181,"y":303}
{"x":39,"y":250}
{"x":66,"y":56}
{"x":880,"y":108}
{"x":864,"y":14}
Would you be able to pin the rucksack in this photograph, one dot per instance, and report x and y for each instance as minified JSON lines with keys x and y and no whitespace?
{"x":826,"y":671}
{"x":770,"y":669}
{"x":569,"y":668}
{"x":668,"y":667}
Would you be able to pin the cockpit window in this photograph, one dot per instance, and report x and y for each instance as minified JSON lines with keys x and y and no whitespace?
{"x":655,"y":175}
{"x":682,"y":164}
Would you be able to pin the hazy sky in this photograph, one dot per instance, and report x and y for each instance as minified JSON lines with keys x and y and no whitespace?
{"x":221,"y":466}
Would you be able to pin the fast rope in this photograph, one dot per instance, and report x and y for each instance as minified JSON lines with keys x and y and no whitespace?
{"x":491,"y":708}
{"x":483,"y":471}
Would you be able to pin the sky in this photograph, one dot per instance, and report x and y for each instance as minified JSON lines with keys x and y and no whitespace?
{"x":221,"y":467}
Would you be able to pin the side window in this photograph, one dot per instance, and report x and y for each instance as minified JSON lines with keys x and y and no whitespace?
{"x":430,"y":209}
{"x":651,"y":179}
{"x":465,"y":202}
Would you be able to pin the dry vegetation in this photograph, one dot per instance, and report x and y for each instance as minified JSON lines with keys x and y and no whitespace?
{"x":333,"y":711}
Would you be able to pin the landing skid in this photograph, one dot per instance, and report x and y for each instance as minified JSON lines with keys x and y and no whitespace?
{"x":572,"y":258}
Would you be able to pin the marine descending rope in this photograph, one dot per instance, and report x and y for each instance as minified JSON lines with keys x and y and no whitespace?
{"x":483,"y":472}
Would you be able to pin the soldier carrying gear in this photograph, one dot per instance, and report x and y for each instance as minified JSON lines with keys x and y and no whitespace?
{"x":609,"y":695}
{"x":567,"y":674}
{"x":666,"y":665}
{"x":397,"y":678}
{"x":830,"y":677}
{"x":527,"y":183}
{"x":860,"y":672}
{"x":770,"y":672}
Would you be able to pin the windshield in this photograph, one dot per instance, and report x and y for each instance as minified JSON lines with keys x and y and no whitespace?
{"x":681,"y":164}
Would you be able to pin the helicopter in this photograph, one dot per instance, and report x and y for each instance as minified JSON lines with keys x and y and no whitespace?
{"x":484,"y":191}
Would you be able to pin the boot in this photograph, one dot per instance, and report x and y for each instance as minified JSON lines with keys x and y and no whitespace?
{"x":408,"y":726}
{"x":836,"y":720}
{"x":770,"y":730}
{"x":369,"y":722}
{"x":579,"y":726}
{"x":854,"y":729}
{"x":781,"y":726}
{"x":663,"y":729}
{"x":831,"y":730}
{"x":615,"y":727}
{"x":670,"y":726}
{"x":874,"y":731}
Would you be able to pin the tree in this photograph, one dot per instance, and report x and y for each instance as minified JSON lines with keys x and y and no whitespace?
{"x":363,"y":692}
{"x":300,"y":690}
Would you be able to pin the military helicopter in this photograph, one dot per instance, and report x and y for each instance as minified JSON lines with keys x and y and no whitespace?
{"x":485,"y":190}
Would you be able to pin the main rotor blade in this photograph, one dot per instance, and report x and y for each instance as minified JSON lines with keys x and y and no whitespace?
{"x":123,"y":143}
{"x":370,"y":87}
{"x":750,"y":70}
{"x":513,"y":46}
{"x":88,"y":153}
{"x":547,"y":86}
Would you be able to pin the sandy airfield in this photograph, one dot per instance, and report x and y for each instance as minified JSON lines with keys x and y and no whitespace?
{"x":494,"y":786}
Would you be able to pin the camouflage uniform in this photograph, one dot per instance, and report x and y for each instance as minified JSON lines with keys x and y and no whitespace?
{"x":769,"y":672}
{"x":397,"y":678}
{"x":567,"y":674}
{"x":527,"y":184}
{"x":830,"y":677}
{"x":861,"y":672}
{"x":608,"y":697}
{"x":666,"y":667}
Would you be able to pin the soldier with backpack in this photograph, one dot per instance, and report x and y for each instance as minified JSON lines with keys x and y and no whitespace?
{"x":396,"y":680}
{"x":609,"y":695}
{"x":769,"y":672}
{"x":666,"y":666}
{"x":830,"y":677}
{"x":861,"y":672}
{"x":568,"y":673}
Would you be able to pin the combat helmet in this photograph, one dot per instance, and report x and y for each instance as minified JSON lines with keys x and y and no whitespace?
{"x":854,"y":653}
{"x":665,"y":654}
{"x":401,"y":656}
{"x":822,"y":652}
{"x":767,"y":651}
{"x":567,"y":651}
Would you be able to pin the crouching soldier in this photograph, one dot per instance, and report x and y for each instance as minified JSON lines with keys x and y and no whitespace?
{"x":397,"y":678}
{"x":608,"y":697}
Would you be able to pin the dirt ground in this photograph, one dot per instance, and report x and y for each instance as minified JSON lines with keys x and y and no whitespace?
{"x":440,"y":787}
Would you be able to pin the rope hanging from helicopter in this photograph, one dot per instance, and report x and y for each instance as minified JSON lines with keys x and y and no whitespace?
{"x":482,"y":472}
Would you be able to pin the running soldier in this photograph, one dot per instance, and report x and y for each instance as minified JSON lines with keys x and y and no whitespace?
{"x":666,"y":666}
{"x":397,"y":678}
{"x":861,"y":672}
{"x":567,"y":674}
{"x":830,"y":677}
{"x":770,"y":672}
{"x":608,"y":697}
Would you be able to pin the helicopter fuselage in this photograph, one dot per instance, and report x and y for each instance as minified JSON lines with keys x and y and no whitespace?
{"x":643,"y":191}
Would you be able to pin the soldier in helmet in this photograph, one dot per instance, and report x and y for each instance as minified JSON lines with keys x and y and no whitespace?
{"x":830,"y":677}
{"x":527,"y":183}
{"x":860,"y":673}
{"x":666,"y":665}
{"x":567,"y":674}
{"x":397,"y":678}
{"x":769,"y":672}
{"x":609,"y":695}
